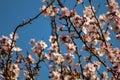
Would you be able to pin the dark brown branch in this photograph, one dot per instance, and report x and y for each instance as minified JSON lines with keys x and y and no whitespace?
{"x":60,"y":3}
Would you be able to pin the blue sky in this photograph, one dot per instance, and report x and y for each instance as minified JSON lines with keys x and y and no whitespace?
{"x":13,"y":12}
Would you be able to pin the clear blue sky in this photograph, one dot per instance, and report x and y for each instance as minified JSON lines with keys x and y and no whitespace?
{"x":13,"y":12}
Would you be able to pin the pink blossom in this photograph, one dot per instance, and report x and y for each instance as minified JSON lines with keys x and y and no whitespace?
{"x":30,"y":59}
{"x":97,"y":64}
{"x":77,"y":21}
{"x":38,"y":47}
{"x":65,"y":11}
{"x":65,"y":38}
{"x":71,"y":47}
{"x":58,"y":58}
{"x":106,"y":35}
{"x":49,"y":56}
{"x":50,"y":11}
{"x":69,"y":58}
{"x":52,"y":39}
{"x":105,"y":76}
{"x":54,"y":47}
{"x":17,"y":49}
{"x":103,"y":18}
{"x":32,"y":41}
{"x":14,"y":70}
{"x":55,"y":75}
{"x":112,"y":5}
{"x":88,"y":12}
{"x":118,"y":36}
{"x":89,"y":67}
{"x":15,"y":36}
{"x":43,"y":0}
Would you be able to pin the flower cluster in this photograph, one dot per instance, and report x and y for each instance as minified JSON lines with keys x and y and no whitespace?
{"x":112,"y":17}
{"x":77,"y":21}
{"x":69,"y":58}
{"x":38,"y":47}
{"x":6,"y":44}
{"x":50,"y":11}
{"x":13,"y":72}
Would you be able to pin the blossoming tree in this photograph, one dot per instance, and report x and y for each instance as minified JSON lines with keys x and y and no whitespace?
{"x":93,"y":59}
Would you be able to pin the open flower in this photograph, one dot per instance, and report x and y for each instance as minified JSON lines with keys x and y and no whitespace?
{"x":55,"y":75}
{"x":54,"y":47}
{"x":38,"y":47}
{"x":89,"y":67}
{"x":88,"y":12}
{"x":65,"y":11}
{"x":30,"y":59}
{"x":118,"y":36}
{"x":52,"y":39}
{"x":14,"y":71}
{"x":69,"y":58}
{"x":50,"y":11}
{"x":71,"y":47}
{"x":113,"y":5}
{"x":105,"y":75}
{"x":58,"y":58}
{"x":17,"y":49}
{"x":32,"y":41}
{"x":42,"y":44}
{"x":15,"y":36}
{"x":65,"y":38}
{"x":106,"y":35}
{"x":4,"y":39}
